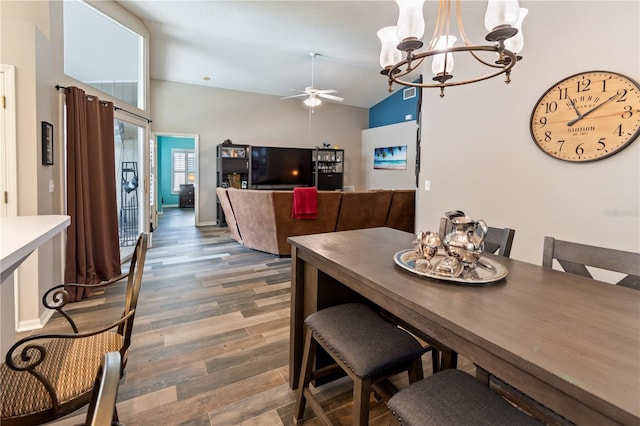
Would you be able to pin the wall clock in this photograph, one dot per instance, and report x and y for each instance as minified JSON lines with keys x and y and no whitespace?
{"x":587,"y":116}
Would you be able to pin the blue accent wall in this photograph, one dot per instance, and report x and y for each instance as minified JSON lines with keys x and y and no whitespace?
{"x":165,"y":144}
{"x":393,"y":109}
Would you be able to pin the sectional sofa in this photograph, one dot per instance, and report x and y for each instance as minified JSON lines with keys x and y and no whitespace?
{"x":261,"y":220}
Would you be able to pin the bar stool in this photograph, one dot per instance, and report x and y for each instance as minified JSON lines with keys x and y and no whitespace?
{"x":362,"y":344}
{"x":453,"y":397}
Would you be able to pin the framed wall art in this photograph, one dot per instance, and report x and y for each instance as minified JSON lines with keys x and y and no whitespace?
{"x":390,"y":158}
{"x":47,"y":143}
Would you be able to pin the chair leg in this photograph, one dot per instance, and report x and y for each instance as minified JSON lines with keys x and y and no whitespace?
{"x":435,"y":361}
{"x":309,"y":353}
{"x":415,"y":371}
{"x":361,"y":396}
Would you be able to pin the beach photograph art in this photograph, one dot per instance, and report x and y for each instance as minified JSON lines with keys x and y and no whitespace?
{"x":390,"y":158}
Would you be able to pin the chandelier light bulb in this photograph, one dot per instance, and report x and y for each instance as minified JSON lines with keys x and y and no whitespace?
{"x":389,"y":54}
{"x":438,"y":65}
{"x":516,"y":43}
{"x":312,"y":101}
{"x":501,"y":13}
{"x":410,"y":19}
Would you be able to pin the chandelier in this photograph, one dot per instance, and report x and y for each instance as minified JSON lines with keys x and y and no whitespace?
{"x":400,"y":54}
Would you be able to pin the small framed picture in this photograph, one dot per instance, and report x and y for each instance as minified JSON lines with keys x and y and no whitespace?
{"x":47,"y":143}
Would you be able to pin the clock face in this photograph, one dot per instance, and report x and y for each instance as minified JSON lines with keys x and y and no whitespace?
{"x":587,"y":117}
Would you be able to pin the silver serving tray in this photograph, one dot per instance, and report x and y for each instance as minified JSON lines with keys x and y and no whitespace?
{"x":486,"y":270}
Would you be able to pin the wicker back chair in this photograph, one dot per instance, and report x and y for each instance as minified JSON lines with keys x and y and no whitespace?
{"x":48,"y":376}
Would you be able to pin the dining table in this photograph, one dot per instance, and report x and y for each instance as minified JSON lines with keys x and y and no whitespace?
{"x":568,"y":342}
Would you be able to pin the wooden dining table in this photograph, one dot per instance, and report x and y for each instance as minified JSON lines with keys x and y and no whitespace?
{"x":568,"y":342}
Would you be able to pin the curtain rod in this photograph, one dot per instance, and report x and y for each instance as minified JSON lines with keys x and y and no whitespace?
{"x":116,"y":108}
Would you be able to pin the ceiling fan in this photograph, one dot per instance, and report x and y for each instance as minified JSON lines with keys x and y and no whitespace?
{"x":313,"y":94}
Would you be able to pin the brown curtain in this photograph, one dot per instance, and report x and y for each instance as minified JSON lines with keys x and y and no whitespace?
{"x":93,"y":248}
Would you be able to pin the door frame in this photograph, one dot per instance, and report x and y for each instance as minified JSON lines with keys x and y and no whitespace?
{"x":196,"y":148}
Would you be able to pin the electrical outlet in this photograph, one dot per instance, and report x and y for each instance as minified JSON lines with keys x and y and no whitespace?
{"x":427,"y":185}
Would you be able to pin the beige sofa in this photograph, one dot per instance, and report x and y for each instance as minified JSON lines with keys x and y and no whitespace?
{"x":261,"y":220}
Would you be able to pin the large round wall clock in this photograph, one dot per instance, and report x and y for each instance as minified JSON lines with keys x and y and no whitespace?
{"x":587,"y":116}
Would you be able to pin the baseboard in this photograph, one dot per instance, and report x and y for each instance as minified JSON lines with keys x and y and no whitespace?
{"x":35,"y":324}
{"x":214,"y":223}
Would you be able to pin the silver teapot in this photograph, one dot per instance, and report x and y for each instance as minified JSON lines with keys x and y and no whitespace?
{"x":466,"y":240}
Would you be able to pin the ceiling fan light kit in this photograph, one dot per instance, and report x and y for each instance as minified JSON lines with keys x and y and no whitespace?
{"x":313,"y":95}
{"x":399,"y":55}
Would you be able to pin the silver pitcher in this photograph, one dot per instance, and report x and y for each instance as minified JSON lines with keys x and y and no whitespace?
{"x":465,"y":242}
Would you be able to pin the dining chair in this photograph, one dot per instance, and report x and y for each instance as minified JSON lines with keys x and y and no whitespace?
{"x":575,"y":257}
{"x":453,"y":397}
{"x":365,"y":347}
{"x":47,"y":376}
{"x":572,"y":258}
{"x":102,"y":404}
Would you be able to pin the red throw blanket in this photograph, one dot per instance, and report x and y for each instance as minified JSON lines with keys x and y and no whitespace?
{"x":305,"y":203}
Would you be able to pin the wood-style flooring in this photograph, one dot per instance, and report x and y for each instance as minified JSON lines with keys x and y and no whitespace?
{"x":211,"y":335}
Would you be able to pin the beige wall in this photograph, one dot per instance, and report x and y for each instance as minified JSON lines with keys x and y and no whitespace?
{"x":480,"y":158}
{"x":37,"y":58}
{"x":252,"y":119}
{"x":31,"y":39}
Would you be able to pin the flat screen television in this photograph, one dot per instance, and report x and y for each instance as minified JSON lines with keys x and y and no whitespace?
{"x":280,"y":167}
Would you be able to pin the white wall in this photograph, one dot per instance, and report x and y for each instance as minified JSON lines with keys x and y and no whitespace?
{"x":252,"y":119}
{"x":480,"y":158}
{"x":392,"y":135}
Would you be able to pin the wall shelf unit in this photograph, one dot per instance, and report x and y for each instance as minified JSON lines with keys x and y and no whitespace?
{"x":232,"y":162}
{"x":328,"y":168}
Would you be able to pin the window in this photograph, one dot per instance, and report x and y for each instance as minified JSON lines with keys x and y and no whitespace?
{"x":102,"y":53}
{"x":183,"y":168}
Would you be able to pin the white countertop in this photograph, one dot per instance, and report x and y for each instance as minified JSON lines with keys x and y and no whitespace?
{"x":21,"y":235}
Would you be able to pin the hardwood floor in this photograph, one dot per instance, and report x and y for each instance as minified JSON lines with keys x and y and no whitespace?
{"x":211,"y":335}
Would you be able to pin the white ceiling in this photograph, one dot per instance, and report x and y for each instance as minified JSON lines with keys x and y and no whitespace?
{"x":264,"y":46}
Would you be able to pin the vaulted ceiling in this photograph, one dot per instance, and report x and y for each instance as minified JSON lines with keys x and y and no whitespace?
{"x":264,"y":46}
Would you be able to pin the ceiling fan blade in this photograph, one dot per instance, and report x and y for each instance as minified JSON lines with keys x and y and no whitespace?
{"x":332,"y":97}
{"x":295,"y":96}
{"x":326,"y":91}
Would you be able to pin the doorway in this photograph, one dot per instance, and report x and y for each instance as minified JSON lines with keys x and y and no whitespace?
{"x":176,"y":165}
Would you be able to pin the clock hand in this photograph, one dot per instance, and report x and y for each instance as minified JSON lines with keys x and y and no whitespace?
{"x":573,"y":104}
{"x":575,"y":120}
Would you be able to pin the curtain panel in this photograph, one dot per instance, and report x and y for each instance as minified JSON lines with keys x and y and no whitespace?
{"x":93,"y":248}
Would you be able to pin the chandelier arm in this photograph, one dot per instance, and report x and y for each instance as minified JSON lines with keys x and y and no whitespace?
{"x":437,"y":29}
{"x":463,"y":35}
{"x":395,"y":76}
{"x":505,"y":52}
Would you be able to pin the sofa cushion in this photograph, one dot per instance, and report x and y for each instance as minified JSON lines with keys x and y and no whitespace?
{"x":402,"y":211}
{"x":366,"y":209}
{"x":256,"y":218}
{"x":286,"y":226}
{"x":265,"y":222}
{"x":229,"y":215}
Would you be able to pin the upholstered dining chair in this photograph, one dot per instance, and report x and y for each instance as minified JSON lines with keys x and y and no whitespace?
{"x":47,"y":376}
{"x":575,"y":257}
{"x":102,"y":404}
{"x":365,"y":347}
{"x":454,"y":398}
